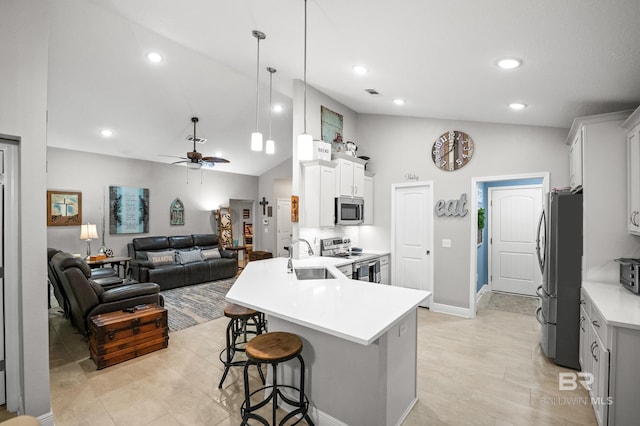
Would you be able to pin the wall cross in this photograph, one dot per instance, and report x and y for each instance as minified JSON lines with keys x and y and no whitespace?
{"x":263,"y":203}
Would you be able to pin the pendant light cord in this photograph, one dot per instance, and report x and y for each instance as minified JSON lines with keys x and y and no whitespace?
{"x":257,"y":82}
{"x":271,"y":71}
{"x":305,"y":66}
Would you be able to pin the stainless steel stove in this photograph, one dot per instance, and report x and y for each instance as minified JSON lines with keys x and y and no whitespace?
{"x":366,"y":266}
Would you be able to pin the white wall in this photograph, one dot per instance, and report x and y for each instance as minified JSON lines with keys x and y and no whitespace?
{"x":92,"y":174}
{"x":400,"y":145}
{"x":24,"y":36}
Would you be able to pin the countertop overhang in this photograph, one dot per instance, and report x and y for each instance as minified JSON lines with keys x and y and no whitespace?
{"x":618,"y":306}
{"x":354,"y":310}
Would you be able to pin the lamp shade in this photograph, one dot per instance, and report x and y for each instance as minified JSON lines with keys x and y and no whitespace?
{"x":88,"y":232}
{"x":194,"y":166}
{"x":305,"y":147}
{"x":270,"y":146}
{"x":256,"y":141}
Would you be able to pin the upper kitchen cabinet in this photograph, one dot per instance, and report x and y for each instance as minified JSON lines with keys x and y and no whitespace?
{"x":604,"y":188}
{"x":349,"y":176}
{"x":632,"y":126}
{"x":319,"y":183}
{"x":368,"y":199}
{"x":575,"y":161}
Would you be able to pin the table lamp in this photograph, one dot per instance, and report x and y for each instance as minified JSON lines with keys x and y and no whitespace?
{"x":87,"y":233}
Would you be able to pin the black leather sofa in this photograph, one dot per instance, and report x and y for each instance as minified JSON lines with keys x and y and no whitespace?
{"x":143,"y":251}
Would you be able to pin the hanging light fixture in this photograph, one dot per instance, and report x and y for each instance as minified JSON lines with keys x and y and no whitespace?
{"x":270,"y":147}
{"x":305,"y":141}
{"x":256,"y":137}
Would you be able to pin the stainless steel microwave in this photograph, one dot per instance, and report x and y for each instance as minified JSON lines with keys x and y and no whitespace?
{"x":349,"y":211}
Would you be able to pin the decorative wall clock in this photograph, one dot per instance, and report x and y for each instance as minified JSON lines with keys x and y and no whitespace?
{"x":452,"y":150}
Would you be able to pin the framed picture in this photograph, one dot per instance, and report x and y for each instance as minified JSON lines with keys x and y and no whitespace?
{"x":128,"y":210}
{"x":64,"y":208}
{"x":331,"y":128}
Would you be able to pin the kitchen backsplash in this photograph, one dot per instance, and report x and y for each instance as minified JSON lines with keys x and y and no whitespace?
{"x":314,"y":235}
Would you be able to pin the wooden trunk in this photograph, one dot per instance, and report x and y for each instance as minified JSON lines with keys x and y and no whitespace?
{"x":119,"y":336}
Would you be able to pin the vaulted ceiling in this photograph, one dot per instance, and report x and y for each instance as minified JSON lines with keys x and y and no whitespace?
{"x":580,"y":57}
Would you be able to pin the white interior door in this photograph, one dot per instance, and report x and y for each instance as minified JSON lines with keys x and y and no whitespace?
{"x":513,"y":219}
{"x":283,"y":226}
{"x":412,"y":224}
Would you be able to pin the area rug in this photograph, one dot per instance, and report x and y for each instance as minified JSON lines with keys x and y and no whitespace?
{"x":524,"y":305}
{"x":195,"y":304}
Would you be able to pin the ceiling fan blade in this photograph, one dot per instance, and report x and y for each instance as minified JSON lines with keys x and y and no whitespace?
{"x":172,"y":156}
{"x":215,"y":160}
{"x":183,"y":161}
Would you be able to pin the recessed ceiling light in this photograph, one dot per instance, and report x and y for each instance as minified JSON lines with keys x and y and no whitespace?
{"x":107,"y":133}
{"x":218,"y":154}
{"x":278,"y":108}
{"x":399,"y":101}
{"x":517,"y":106}
{"x":154,"y":57}
{"x":509,"y":63}
{"x":360,"y":69}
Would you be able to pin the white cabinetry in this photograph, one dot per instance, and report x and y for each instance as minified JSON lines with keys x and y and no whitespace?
{"x":594,"y":357}
{"x":575,"y":161}
{"x":349,"y":177}
{"x":368,"y":200}
{"x":632,"y":125}
{"x":319,"y":184}
{"x":604,"y":188}
{"x":610,"y":351}
{"x":384,"y":270}
{"x":347,"y":270}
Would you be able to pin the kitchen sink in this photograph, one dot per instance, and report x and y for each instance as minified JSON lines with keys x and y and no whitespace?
{"x":317,"y":273}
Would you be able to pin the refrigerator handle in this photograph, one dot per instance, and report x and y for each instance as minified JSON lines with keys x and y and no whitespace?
{"x":539,"y":292}
{"x":540,"y":316}
{"x":540,"y":259}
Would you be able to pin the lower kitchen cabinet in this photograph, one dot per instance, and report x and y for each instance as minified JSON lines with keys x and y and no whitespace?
{"x":385,"y":277}
{"x":609,"y":351}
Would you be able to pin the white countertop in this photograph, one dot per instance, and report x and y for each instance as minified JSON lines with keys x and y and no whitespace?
{"x":618,"y":306}
{"x":353,"y":310}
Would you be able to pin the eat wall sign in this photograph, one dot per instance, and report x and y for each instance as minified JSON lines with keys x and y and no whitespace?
{"x":452,"y":207}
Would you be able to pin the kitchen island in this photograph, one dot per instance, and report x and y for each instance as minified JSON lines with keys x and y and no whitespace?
{"x":359,"y":338}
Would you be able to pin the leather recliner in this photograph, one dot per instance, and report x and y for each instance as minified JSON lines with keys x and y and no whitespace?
{"x":106,"y":277}
{"x":87,"y":298}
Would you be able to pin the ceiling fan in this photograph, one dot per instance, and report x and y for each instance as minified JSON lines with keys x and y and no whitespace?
{"x":194,"y":159}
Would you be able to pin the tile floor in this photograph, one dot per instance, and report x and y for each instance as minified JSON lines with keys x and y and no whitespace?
{"x":487,"y":371}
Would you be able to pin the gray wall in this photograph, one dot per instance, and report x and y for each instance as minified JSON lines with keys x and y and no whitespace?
{"x":272,"y":185}
{"x":201,"y":192}
{"x":24,"y":38}
{"x":401,"y":145}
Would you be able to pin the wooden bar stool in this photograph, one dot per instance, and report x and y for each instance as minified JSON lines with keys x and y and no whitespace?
{"x":274,"y":348}
{"x":242,"y":321}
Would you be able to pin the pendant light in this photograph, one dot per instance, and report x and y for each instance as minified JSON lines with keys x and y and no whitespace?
{"x":256,"y":137}
{"x":305,"y":141}
{"x":270,"y":147}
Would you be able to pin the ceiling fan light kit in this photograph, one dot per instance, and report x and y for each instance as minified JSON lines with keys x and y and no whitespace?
{"x":194,"y":160}
{"x":256,"y":137}
{"x":305,"y":141}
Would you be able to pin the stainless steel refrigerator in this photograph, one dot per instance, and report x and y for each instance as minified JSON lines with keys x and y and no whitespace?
{"x":559,"y":248}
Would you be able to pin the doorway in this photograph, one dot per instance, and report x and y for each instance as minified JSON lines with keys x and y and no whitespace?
{"x":242,"y":216}
{"x":513,"y":215}
{"x":283,"y":226}
{"x":412,"y":236}
{"x":479,"y":241}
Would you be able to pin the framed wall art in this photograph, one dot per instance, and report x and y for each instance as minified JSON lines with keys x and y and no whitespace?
{"x":176,"y":212}
{"x":128,"y":210}
{"x":331,"y":128}
{"x":64,"y":208}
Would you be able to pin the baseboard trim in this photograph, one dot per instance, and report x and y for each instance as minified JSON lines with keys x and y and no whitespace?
{"x":451,"y":310}
{"x":481,"y":292}
{"x":323,"y":418}
{"x":46,"y":419}
{"x":406,"y":412}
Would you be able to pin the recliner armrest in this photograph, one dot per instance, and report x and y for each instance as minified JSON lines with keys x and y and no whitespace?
{"x":229,"y":254}
{"x":129,"y":291}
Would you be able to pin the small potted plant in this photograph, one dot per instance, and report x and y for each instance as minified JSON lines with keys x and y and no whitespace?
{"x":481,"y":221}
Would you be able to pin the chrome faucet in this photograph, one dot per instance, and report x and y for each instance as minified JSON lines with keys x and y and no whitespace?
{"x":290,"y":261}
